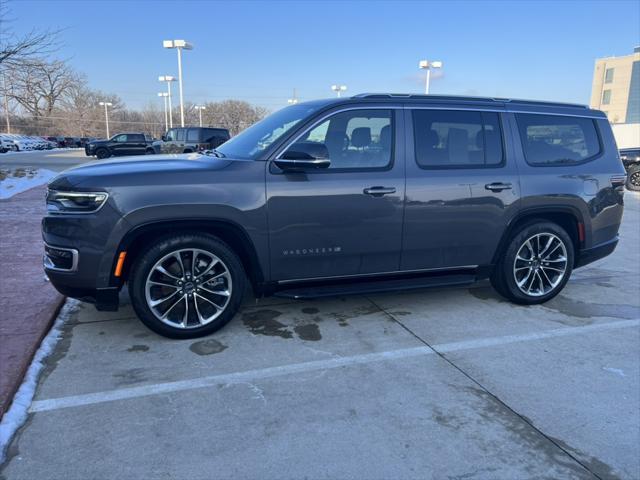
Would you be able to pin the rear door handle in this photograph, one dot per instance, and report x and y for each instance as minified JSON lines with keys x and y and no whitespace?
{"x":379,"y":191}
{"x":497,"y":187}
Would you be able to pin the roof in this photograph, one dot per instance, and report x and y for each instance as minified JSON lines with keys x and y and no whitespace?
{"x":466,"y":99}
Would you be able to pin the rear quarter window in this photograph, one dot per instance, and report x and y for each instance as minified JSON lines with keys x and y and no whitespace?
{"x":550,"y":140}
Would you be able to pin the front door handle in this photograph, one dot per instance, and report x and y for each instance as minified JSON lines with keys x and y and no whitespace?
{"x":379,"y":191}
{"x":497,"y":187}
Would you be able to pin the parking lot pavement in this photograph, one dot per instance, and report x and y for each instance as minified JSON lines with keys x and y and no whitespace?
{"x":430,"y":384}
{"x":55,"y":160}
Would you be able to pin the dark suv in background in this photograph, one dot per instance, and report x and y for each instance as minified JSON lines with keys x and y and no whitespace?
{"x":192,"y":139}
{"x":136,"y":143}
{"x":363,"y":194}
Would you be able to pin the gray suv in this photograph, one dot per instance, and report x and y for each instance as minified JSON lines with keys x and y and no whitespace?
{"x":371,"y":193}
{"x":192,"y":139}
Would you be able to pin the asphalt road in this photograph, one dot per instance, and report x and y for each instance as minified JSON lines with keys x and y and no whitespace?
{"x":434,"y":384}
{"x":54,"y":160}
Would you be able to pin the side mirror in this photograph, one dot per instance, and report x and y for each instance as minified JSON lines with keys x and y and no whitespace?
{"x":304,"y":156}
{"x":164,"y":138}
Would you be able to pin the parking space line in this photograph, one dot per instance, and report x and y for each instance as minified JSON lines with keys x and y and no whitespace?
{"x":328,"y":364}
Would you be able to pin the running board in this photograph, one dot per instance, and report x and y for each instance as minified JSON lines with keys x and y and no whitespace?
{"x":376,"y":286}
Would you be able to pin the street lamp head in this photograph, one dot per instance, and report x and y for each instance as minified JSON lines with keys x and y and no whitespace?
{"x":427,"y":64}
{"x":166,"y":78}
{"x":292,"y":101}
{"x":105,"y":104}
{"x":177,"y":44}
{"x":163,"y":94}
{"x":200,"y":107}
{"x":338,"y":88}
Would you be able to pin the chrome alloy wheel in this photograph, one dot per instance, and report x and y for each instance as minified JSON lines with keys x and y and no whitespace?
{"x":540,"y":264}
{"x":188,"y":288}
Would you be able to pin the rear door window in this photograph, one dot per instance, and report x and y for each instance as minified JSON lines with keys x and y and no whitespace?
{"x":457,"y":139}
{"x":180,"y":134}
{"x":557,"y":140}
{"x":193,"y":135}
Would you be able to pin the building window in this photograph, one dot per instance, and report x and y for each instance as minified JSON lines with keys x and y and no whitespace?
{"x":608,"y":75}
{"x":606,"y":97}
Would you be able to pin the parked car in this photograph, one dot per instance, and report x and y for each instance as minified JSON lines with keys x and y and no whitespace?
{"x":192,"y":139}
{"x":7,"y":144}
{"x":135,"y":143}
{"x":21,"y":142}
{"x":631,"y":160}
{"x":351,"y":195}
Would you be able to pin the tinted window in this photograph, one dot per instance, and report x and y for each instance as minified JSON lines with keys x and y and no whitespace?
{"x":135,"y":137}
{"x":171,"y":136}
{"x":608,"y":75}
{"x":180,"y":134}
{"x":457,"y":139}
{"x":119,"y":138}
{"x":192,"y":135}
{"x":557,"y":140}
{"x":355,"y":139}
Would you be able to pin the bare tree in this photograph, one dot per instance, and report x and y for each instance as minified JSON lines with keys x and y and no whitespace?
{"x":15,"y":50}
{"x":38,"y":86}
{"x":235,"y":115}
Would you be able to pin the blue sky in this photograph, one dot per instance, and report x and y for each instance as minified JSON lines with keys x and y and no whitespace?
{"x":260,"y":51}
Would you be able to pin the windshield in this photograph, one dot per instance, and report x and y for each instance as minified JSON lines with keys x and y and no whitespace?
{"x":250,"y":143}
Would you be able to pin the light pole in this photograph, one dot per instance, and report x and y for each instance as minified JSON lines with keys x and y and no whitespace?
{"x":200,"y":108}
{"x":6,"y":101}
{"x":106,"y":106}
{"x":427,"y":65}
{"x":168,"y":79}
{"x":294,"y":99}
{"x":339,"y":89}
{"x":179,"y":45}
{"x":165,"y":95}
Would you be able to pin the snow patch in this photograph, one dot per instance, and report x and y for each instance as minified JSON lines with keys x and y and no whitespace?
{"x":22,"y":179}
{"x":15,"y":417}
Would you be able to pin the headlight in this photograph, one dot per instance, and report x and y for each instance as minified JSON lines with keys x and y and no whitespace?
{"x":75,"y":202}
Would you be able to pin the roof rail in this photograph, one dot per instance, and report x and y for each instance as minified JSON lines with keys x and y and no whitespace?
{"x":462,"y":98}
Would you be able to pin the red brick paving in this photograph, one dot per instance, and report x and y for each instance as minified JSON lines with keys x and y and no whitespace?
{"x":28,"y":303}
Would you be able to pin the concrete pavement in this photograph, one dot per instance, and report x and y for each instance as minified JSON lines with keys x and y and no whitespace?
{"x":432,"y":384}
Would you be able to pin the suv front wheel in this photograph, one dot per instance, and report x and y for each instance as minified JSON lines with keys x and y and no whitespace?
{"x":187,"y":286}
{"x":536,"y":264}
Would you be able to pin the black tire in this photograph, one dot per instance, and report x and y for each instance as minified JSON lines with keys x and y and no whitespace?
{"x":164,"y":246}
{"x":149,"y":151}
{"x":503,"y":277}
{"x":102,"y":153}
{"x":633,"y":178}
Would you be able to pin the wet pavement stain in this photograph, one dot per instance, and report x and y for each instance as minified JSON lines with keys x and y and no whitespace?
{"x":130,"y":376}
{"x":309,"y":332}
{"x":310,"y":310}
{"x":587,"y":310}
{"x":207,"y":347}
{"x":138,"y":348}
{"x":59,"y":352}
{"x":263,"y":322}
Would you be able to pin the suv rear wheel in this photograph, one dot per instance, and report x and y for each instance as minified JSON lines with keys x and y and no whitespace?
{"x":633,"y":178}
{"x":187,"y":286}
{"x":536,"y":264}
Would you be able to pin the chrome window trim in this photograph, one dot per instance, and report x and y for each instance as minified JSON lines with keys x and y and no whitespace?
{"x":281,"y":150}
{"x":48,"y":264}
{"x":379,"y":274}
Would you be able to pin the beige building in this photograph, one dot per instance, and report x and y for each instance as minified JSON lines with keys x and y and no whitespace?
{"x":616,"y":87}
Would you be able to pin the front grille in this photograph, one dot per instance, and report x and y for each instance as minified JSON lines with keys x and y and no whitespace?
{"x":60,"y":259}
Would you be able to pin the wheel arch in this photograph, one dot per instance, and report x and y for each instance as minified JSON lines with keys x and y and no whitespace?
{"x":569,"y":218}
{"x":229,"y":232}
